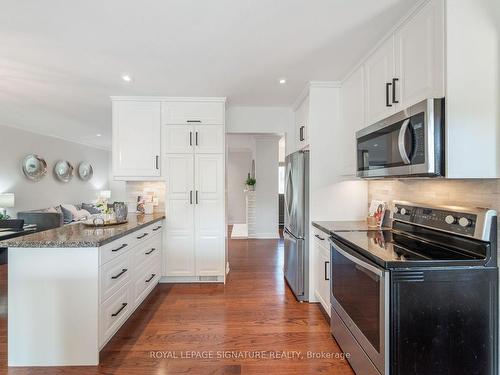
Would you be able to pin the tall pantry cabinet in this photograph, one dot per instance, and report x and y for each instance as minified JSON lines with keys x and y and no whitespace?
{"x":191,"y":135}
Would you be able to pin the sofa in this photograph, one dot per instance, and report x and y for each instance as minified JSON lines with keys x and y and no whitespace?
{"x":54,"y":217}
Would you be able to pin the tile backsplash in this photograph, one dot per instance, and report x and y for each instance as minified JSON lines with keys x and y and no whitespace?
{"x":135,"y":188}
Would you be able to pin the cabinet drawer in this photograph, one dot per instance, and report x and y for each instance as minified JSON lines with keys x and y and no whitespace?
{"x":114,"y":312}
{"x":113,"y":275}
{"x":146,"y":278}
{"x":116,"y":248}
{"x":207,"y":113}
{"x":321,"y":238}
{"x":149,"y":250}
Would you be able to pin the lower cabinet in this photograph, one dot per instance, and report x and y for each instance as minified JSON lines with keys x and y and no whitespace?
{"x":323,"y":269}
{"x":126,"y":280}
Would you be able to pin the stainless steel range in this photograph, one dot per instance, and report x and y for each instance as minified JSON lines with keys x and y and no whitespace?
{"x":420,"y":298}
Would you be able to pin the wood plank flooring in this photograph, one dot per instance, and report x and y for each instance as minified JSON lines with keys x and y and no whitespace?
{"x":253,"y":313}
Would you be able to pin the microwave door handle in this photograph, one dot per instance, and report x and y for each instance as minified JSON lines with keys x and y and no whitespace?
{"x":359,"y":262}
{"x":401,"y":141}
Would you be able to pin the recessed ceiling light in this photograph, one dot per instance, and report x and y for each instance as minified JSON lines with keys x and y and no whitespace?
{"x":282,"y":81}
{"x":98,"y":134}
{"x":126,"y":78}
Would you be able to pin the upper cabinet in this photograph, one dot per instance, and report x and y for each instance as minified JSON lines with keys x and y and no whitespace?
{"x":136,"y":140}
{"x":419,"y":56}
{"x":193,"y":112}
{"x":379,"y":72}
{"x":301,"y":125}
{"x":408,"y":66}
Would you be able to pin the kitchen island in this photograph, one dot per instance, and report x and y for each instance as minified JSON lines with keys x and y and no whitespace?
{"x":71,"y":288}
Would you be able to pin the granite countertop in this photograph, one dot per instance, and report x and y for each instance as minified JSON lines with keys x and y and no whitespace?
{"x":331,"y":227}
{"x":79,"y":235}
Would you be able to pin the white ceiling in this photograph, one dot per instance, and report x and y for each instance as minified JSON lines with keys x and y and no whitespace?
{"x":61,"y":60}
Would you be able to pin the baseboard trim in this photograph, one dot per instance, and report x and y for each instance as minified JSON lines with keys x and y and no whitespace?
{"x":191,"y":279}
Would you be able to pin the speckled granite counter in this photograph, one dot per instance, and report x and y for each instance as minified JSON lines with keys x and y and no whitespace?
{"x":79,"y":235}
{"x":330,"y":227}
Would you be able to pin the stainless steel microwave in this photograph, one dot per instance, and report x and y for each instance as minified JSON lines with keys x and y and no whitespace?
{"x":410,"y":143}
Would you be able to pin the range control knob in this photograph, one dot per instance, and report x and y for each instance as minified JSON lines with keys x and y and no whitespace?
{"x":403,"y":211}
{"x":396,"y":210}
{"x":450,"y":219}
{"x":464,"y":222}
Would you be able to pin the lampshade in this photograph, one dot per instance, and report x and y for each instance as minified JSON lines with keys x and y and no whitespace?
{"x":7,"y":200}
{"x":105,"y":194}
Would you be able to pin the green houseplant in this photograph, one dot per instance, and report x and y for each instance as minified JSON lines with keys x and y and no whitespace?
{"x":250,"y":182}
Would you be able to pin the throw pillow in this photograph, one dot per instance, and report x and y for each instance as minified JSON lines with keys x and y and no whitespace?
{"x":92,"y":209}
{"x":82,"y":215}
{"x":67,"y":215}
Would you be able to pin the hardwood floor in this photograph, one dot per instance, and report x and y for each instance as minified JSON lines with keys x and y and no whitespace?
{"x":253,"y":314}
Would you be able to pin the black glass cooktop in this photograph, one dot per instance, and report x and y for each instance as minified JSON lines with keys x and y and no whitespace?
{"x":395,"y":249}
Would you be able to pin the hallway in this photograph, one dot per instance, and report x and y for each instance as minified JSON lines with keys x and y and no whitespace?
{"x":253,"y":313}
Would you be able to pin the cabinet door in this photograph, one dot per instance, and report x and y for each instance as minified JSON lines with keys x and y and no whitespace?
{"x":420,"y":56}
{"x":324,"y":274}
{"x":301,"y":124}
{"x":178,"y":139}
{"x":136,"y":139}
{"x":379,"y":71}
{"x":209,"y":217}
{"x":179,"y":259}
{"x":352,"y":120}
{"x":193,"y":112}
{"x":209,"y":139}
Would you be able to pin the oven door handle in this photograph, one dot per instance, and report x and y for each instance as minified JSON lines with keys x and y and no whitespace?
{"x":359,"y":262}
{"x":401,"y":141}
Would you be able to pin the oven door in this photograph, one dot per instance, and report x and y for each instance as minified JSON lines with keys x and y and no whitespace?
{"x":360,"y":296}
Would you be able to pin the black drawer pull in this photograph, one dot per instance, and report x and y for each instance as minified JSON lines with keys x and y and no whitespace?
{"x":394,"y":81}
{"x":141,"y":237}
{"x":150,"y":251}
{"x":194,"y":121}
{"x":121,"y":273}
{"x":119,"y":248}
{"x":124,"y":304}
{"x":326,"y":270}
{"x":151,"y":278}
{"x":319,"y":237}
{"x":387,"y":94}
{"x":155,"y":229}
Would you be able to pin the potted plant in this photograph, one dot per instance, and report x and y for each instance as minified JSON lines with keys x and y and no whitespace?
{"x":250,"y":183}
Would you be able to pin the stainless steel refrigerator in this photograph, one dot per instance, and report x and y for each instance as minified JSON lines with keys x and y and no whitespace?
{"x":296,"y":233}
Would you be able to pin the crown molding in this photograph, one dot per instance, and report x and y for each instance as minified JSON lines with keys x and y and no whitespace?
{"x":168,"y":99}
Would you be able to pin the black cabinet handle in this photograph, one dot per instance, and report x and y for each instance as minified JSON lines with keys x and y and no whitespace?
{"x":198,"y":121}
{"x":196,"y":196}
{"x":141,"y":237}
{"x":190,"y":138}
{"x":158,"y":227}
{"x":124,"y":304}
{"x":121,"y":273}
{"x":157,"y":162}
{"x":150,"y":251}
{"x":326,"y":270}
{"x":301,"y":135}
{"x":190,"y":197}
{"x":319,"y":237}
{"x":394,"y":81}
{"x":119,"y":248}
{"x":387,"y":94}
{"x":151,"y":278}
{"x":196,"y":138}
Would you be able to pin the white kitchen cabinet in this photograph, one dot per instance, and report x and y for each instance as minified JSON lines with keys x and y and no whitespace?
{"x":352,"y":112}
{"x":209,"y":223}
{"x":179,"y":256}
{"x":322,"y":269}
{"x":193,"y":112}
{"x":379,"y":75}
{"x":136,"y":139}
{"x":208,"y":139}
{"x":419,"y":56}
{"x":301,"y":124}
{"x":178,"y":139}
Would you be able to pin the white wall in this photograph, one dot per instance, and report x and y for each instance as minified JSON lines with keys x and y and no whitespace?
{"x":266,"y":189}
{"x":15,"y":144}
{"x":270,"y":120}
{"x":238,"y":166}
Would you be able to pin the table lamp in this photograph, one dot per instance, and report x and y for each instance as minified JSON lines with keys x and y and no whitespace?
{"x":7,"y":200}
{"x":105,"y":194}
